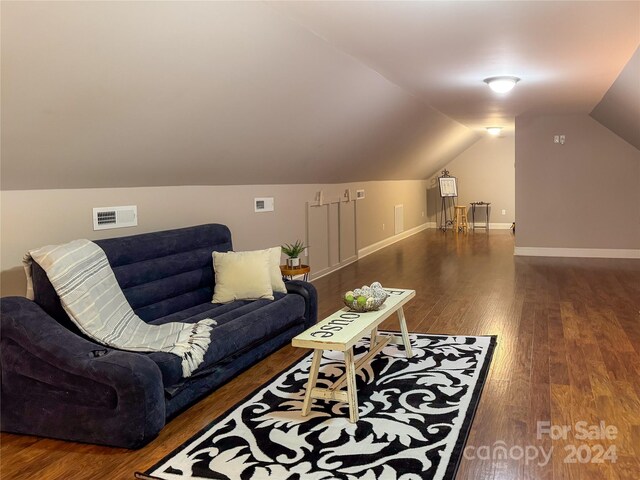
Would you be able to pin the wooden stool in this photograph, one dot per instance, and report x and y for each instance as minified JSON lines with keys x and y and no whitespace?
{"x":460,"y":218}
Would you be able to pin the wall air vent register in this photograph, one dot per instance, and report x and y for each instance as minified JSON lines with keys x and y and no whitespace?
{"x":115,"y":217}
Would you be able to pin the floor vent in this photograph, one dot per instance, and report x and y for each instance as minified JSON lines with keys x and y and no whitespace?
{"x":115,"y":217}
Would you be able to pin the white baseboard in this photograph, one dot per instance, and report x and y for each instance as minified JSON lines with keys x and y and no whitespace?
{"x":492,"y":226}
{"x":330,"y":270}
{"x":500,"y":226}
{"x":363,"y":252}
{"x":577,"y":252}
{"x":370,"y":249}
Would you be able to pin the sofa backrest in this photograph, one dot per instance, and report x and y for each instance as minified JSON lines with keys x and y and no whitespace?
{"x":160,"y":273}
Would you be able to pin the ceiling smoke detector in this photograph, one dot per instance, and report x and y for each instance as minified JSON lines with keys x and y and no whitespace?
{"x":501,"y":84}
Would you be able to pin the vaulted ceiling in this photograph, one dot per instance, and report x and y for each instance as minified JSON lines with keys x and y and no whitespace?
{"x":619,"y":109}
{"x":104,"y":94}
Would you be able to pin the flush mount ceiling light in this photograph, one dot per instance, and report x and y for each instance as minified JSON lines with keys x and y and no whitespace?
{"x":495,"y":131}
{"x":501,"y":84}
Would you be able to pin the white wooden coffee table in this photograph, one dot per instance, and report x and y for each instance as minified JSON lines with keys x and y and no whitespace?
{"x":341,"y":331}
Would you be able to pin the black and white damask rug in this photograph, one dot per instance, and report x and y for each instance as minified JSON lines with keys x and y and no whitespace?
{"x":415,"y":415}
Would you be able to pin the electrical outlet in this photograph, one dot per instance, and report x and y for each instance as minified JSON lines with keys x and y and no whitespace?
{"x":556,"y":139}
{"x":383,"y":226}
{"x":423,"y":214}
{"x":504,"y":212}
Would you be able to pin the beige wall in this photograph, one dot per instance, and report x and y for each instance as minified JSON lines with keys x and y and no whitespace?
{"x":32,"y":218}
{"x":583,"y":194}
{"x":484,"y":172}
{"x":377,"y":209}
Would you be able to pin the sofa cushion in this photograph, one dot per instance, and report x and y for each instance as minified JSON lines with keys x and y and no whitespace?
{"x":242,"y":276}
{"x":241,"y":325}
{"x":277,"y":284}
{"x":162,"y":273}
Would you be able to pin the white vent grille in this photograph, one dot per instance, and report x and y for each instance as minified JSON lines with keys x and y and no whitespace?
{"x":106,"y":218}
{"x":115,"y":217}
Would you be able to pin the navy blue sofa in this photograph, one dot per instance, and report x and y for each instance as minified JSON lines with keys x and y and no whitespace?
{"x":58,"y":383}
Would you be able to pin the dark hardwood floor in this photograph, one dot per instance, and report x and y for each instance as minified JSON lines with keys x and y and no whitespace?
{"x":568,"y":351}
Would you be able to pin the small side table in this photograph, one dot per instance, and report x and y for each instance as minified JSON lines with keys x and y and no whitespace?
{"x":473,"y":214}
{"x":293,"y":272}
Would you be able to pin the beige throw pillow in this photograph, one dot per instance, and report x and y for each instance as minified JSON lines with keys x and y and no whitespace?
{"x":242,"y":276}
{"x":277,"y":284}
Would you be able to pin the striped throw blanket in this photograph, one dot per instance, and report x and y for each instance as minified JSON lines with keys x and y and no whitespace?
{"x":81,"y":275}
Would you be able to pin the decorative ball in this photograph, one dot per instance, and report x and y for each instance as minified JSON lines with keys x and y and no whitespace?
{"x":379,"y":293}
{"x":362,"y":301}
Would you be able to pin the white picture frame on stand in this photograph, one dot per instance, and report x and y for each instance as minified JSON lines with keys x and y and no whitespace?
{"x":448,"y":187}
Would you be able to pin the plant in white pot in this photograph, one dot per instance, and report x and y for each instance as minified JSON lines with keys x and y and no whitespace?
{"x":293,"y":252}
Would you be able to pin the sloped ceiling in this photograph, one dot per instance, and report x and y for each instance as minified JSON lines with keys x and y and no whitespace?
{"x":104,"y":94}
{"x":567,"y":53}
{"x":619,"y":109}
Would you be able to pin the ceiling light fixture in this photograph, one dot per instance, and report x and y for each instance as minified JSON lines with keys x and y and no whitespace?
{"x":495,"y":131}
{"x":501,"y":84}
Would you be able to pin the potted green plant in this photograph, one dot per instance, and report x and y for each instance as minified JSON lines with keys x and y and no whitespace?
{"x":293,"y":252}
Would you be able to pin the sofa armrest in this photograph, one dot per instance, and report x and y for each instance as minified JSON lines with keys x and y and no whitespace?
{"x":310,"y":295}
{"x":58,"y":384}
